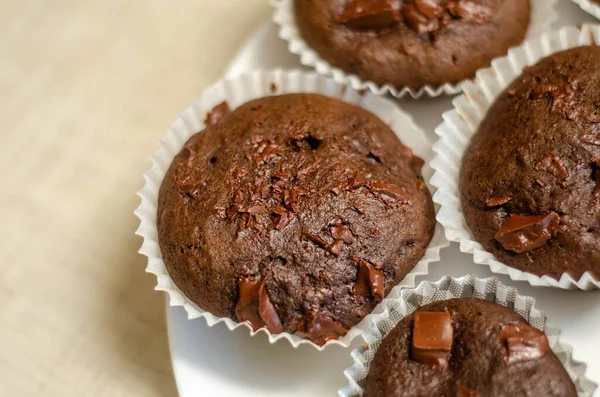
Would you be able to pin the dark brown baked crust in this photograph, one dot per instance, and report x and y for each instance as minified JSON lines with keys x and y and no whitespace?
{"x":535,"y":154}
{"x":400,"y":56}
{"x":478,"y":361}
{"x":304,"y":194}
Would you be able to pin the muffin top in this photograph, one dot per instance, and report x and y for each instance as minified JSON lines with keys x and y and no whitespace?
{"x":297,"y":213}
{"x":530,"y":179}
{"x":412,"y":42}
{"x":466,"y":348}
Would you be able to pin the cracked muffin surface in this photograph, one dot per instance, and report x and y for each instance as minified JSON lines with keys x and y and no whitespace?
{"x":297,"y":213}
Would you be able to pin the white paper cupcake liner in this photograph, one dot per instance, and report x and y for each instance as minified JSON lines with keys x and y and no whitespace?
{"x":589,"y":6}
{"x":236,"y":92}
{"x":460,"y":125}
{"x":489,"y":289}
{"x":543,"y":16}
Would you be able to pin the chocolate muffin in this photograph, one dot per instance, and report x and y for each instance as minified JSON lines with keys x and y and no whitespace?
{"x":297,"y":213}
{"x":412,"y":42}
{"x":530,"y":179}
{"x":466,"y":348}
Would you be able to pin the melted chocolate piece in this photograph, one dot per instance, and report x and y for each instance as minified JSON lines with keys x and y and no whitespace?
{"x":523,"y":342}
{"x":470,"y":11}
{"x":370,"y":14}
{"x":341,"y":232}
{"x":554,"y":165}
{"x":315,"y":239}
{"x":336,"y":247}
{"x":497,"y":201}
{"x":370,"y":281}
{"x":432,"y":338}
{"x":464,"y":391}
{"x":254,"y":306}
{"x":320,"y":329}
{"x":418,"y":21}
{"x":429,"y":7}
{"x":215,"y":115}
{"x":525,"y":233}
{"x":190,"y":186}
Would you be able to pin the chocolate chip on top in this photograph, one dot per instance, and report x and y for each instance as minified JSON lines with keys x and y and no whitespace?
{"x":254,"y":306}
{"x":523,"y":342}
{"x":432,"y":338}
{"x":422,"y":16}
{"x":370,"y":14}
{"x":215,"y":115}
{"x":369,"y":281}
{"x":524,"y":233}
{"x":262,"y":215}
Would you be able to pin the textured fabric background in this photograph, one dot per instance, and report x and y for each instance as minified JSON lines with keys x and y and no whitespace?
{"x":86,"y":90}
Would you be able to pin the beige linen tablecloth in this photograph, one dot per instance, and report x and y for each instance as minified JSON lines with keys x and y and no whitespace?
{"x":86,"y":90}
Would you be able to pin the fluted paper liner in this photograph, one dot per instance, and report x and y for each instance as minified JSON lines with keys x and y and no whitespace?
{"x":589,"y":6}
{"x":461,"y":123}
{"x":236,"y":92}
{"x":542,"y":18}
{"x":489,"y":289}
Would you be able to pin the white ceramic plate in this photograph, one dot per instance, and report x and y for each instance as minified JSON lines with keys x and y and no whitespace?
{"x":218,"y":363}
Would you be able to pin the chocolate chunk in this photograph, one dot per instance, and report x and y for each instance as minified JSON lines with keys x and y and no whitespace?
{"x":554,"y":165}
{"x":282,"y":221}
{"x":497,"y":201}
{"x":315,"y":239}
{"x":281,"y":175}
{"x":341,"y":232}
{"x":597,"y":179}
{"x":279,"y":210}
{"x":389,"y":192}
{"x":418,"y":21}
{"x":525,"y":233}
{"x":370,"y":281}
{"x":320,"y":329}
{"x":238,"y":196}
{"x":429,"y":7}
{"x":356,"y":181}
{"x":464,"y":391}
{"x":336,"y":247}
{"x":189,"y":153}
{"x":190,"y":186}
{"x":368,"y":14}
{"x":470,"y":11}
{"x":258,"y":210}
{"x":215,"y":115}
{"x":254,"y":306}
{"x":432,"y":338}
{"x":290,"y":197}
{"x":267,"y":150}
{"x":523,"y":342}
{"x":233,"y":211}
